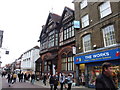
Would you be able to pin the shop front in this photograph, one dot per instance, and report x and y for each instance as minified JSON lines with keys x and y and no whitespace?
{"x":90,"y":65}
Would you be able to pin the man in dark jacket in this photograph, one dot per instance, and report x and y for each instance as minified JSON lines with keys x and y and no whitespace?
{"x":51,"y":81}
{"x":104,"y":81}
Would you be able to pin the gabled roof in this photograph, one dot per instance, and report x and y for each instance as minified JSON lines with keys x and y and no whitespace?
{"x":55,"y":17}
{"x":67,"y":9}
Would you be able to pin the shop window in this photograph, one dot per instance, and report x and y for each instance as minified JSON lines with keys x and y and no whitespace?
{"x":93,"y":72}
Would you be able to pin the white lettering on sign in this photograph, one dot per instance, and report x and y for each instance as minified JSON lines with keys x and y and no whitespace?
{"x":101,"y":55}
{"x":97,"y":55}
{"x":88,"y":57}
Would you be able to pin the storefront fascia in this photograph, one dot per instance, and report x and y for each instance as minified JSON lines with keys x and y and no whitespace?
{"x":93,"y":63}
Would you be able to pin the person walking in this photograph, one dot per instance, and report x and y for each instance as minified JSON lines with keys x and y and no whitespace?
{"x":28,"y":77}
{"x":104,"y":81}
{"x":25,"y":77}
{"x":70,"y":81}
{"x":56,"y":79}
{"x":62,"y":81}
{"x":51,"y":81}
{"x":9,"y":77}
{"x":44,"y":79}
{"x":19,"y":76}
{"x":32,"y":78}
{"x":14,"y":77}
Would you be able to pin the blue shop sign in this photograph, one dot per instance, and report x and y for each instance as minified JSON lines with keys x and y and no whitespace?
{"x":99,"y":56}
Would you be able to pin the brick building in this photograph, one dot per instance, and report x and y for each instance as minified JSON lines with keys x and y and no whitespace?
{"x":97,"y":39}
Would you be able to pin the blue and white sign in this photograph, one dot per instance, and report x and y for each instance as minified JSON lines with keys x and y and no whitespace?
{"x":99,"y":56}
{"x":76,"y":24}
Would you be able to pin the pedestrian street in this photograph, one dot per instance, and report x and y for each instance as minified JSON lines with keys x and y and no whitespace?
{"x":38,"y":85}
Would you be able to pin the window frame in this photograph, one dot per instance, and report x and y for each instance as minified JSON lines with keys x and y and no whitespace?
{"x":68,"y":30}
{"x":85,"y":21}
{"x":103,"y":8}
{"x":89,"y":45}
{"x":67,"y":61}
{"x":83,"y":4}
{"x":107,"y":40}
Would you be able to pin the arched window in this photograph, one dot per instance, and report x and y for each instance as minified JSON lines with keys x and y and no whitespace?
{"x":67,"y":63}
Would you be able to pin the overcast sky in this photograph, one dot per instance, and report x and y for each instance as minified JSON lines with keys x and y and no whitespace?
{"x":21,"y":21}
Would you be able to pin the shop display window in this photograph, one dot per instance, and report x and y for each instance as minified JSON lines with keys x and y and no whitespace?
{"x":94,"y":71}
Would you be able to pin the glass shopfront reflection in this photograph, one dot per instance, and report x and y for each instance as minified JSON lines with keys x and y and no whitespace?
{"x":94,"y":71}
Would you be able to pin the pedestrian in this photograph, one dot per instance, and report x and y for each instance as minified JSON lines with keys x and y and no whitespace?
{"x":104,"y":81}
{"x":51,"y":81}
{"x":28,"y":77}
{"x":32,"y":78}
{"x":25,"y":77}
{"x":56,"y":79}
{"x":14,"y":77}
{"x":66,"y":82}
{"x":19,"y":76}
{"x":70,"y":81}
{"x":62,"y":81}
{"x":44,"y":79}
{"x":83,"y":79}
{"x":9,"y":77}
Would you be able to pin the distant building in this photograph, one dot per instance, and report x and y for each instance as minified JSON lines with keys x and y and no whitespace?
{"x":28,"y":60}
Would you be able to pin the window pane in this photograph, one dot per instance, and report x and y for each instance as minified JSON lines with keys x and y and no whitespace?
{"x":73,"y":33}
{"x":109,"y":35}
{"x":70,"y":63}
{"x":83,"y":4}
{"x":105,"y":9}
{"x":51,"y":39}
{"x":64,"y":64}
{"x":85,"y":21}
{"x":86,"y":43}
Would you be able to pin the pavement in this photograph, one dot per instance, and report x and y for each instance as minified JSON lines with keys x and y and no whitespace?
{"x":37,"y":85}
{"x":40,"y":83}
